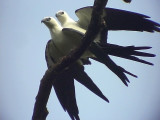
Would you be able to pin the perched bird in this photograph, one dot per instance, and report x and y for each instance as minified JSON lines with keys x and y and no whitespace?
{"x":64,"y":86}
{"x":62,"y":42}
{"x":114,"y":19}
{"x":66,"y":39}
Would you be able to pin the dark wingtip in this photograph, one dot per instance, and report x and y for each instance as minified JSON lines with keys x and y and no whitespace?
{"x":143,"y":54}
{"x":129,"y":73}
{"x":125,"y":84}
{"x":155,"y":26}
{"x":73,"y":116}
{"x":125,"y":81}
{"x":154,"y":55}
{"x":141,"y":47}
{"x":151,"y":64}
{"x":106,"y":99}
{"x":157,"y":29}
{"x":127,"y":1}
{"x":77,"y":117}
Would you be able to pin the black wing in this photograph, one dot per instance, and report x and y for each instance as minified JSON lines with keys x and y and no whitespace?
{"x":125,"y":20}
{"x":105,"y":59}
{"x":127,"y":52}
{"x":117,"y":19}
{"x":64,"y":85}
{"x":49,"y":60}
{"x":79,"y":73}
{"x":65,"y":90}
{"x":82,"y":77}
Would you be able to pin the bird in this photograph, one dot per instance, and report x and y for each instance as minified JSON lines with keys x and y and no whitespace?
{"x":64,"y":86}
{"x":113,"y":19}
{"x":66,"y":39}
{"x":61,"y":43}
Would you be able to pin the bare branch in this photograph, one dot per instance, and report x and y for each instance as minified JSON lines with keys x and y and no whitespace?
{"x":40,"y":111}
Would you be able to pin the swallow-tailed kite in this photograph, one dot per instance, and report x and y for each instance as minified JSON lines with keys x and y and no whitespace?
{"x":64,"y":86}
{"x":66,"y":39}
{"x":63,"y":40}
{"x":114,"y":19}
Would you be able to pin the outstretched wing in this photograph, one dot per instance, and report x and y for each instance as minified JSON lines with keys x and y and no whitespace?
{"x":125,"y":20}
{"x":105,"y":59}
{"x":84,"y":15}
{"x":119,"y":20}
{"x":127,"y":52}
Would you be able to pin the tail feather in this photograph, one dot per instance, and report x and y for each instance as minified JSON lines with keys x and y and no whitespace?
{"x":85,"y":80}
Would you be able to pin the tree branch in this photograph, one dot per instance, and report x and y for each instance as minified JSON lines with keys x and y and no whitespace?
{"x":40,"y":111}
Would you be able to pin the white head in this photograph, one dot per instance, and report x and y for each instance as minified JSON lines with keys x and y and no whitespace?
{"x":62,"y":17}
{"x":50,"y":22}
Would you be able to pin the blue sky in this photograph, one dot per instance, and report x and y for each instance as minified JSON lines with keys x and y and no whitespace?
{"x":22,"y":45}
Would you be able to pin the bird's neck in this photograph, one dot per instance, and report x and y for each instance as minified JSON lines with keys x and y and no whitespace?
{"x":55,"y":30}
{"x":67,"y":21}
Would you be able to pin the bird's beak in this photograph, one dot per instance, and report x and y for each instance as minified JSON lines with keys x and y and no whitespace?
{"x":42,"y":21}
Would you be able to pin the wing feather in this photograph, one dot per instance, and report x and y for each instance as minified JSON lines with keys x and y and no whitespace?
{"x":117,"y":19}
{"x":64,"y":84}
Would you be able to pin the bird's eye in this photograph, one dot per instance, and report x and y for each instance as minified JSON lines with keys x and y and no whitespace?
{"x":62,"y":13}
{"x":48,"y":19}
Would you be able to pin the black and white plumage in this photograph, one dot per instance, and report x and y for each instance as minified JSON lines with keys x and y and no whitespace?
{"x":115,"y":19}
{"x":64,"y":86}
{"x":62,"y":42}
{"x":66,"y":39}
